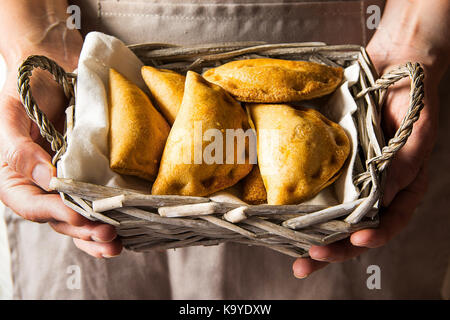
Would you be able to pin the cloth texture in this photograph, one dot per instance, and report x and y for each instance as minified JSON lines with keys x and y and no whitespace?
{"x":46,"y":265}
{"x":201,"y":21}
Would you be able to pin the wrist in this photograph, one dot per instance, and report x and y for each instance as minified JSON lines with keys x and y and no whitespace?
{"x":387,"y":55}
{"x":42,"y":29}
{"x":416,"y":31}
{"x":59,"y":44}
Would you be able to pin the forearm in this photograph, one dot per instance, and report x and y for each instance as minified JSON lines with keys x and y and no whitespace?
{"x":37,"y":27}
{"x":416,"y":28}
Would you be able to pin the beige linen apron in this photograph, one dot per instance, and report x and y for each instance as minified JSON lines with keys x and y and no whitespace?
{"x":47,"y":265}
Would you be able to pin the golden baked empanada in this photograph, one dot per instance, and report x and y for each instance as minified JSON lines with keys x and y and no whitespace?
{"x":190,"y":166}
{"x":254,"y":191}
{"x":167,"y":87}
{"x":300,"y":151}
{"x":138,"y":131}
{"x":275,"y":80}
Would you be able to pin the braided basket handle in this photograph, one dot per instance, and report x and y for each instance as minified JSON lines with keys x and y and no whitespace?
{"x":46,"y":128}
{"x":416,"y":73}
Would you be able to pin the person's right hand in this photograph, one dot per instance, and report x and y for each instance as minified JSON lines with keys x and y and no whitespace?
{"x":25,"y":162}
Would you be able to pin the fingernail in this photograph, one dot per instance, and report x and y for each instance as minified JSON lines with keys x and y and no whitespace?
{"x":360,"y":243}
{"x":321,"y":258}
{"x":301,"y":276}
{"x":318,"y":257}
{"x":108,"y":256}
{"x":42,"y":174}
{"x":94,"y":238}
{"x":325,"y":259}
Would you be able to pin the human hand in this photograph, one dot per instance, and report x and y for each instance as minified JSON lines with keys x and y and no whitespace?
{"x":407,"y":179}
{"x":25,"y":162}
{"x":405,"y":186}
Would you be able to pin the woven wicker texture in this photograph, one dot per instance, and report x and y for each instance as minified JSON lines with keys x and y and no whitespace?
{"x":147,"y":222}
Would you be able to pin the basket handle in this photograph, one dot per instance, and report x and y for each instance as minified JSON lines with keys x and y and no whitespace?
{"x":416,"y":73}
{"x":46,"y":128}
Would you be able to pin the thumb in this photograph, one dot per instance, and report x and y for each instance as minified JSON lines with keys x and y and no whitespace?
{"x":402,"y":171}
{"x":30,"y":160}
{"x":17,"y":148}
{"x":414,"y":154}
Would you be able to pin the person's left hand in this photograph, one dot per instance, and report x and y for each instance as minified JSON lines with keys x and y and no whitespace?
{"x":406,"y":181}
{"x":25,"y":157}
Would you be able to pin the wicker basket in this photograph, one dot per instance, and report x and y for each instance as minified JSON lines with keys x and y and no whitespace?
{"x":146,"y":222}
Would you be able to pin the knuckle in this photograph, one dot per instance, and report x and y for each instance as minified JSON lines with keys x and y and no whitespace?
{"x":82,"y":245}
{"x":55,"y":226}
{"x":104,"y":232}
{"x":15,"y":156}
{"x":32,"y":216}
{"x":35,"y":213}
{"x":38,"y":213}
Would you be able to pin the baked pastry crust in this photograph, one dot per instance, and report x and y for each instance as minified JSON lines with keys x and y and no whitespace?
{"x":167,"y":88}
{"x":181,"y":171}
{"x":253,"y":190}
{"x":274,"y":80}
{"x":300,"y":152}
{"x":137,"y":132}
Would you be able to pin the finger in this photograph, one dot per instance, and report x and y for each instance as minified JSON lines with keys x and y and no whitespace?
{"x":336,"y":252}
{"x":396,"y":217}
{"x":303,"y":267}
{"x":90,"y":231}
{"x":31,"y":202}
{"x":99,"y":250}
{"x":410,"y":158}
{"x":404,"y":168}
{"x":18,"y":150}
